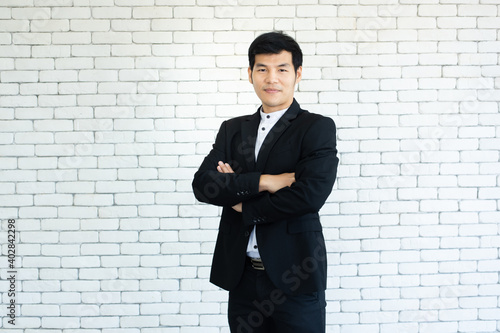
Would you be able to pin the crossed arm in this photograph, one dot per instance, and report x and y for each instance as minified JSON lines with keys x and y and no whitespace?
{"x":269,"y":183}
{"x":265,"y":198}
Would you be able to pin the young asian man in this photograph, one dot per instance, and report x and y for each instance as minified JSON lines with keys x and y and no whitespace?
{"x":271,"y":172}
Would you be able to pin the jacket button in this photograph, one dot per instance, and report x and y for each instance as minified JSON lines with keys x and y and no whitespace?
{"x":247,"y":234}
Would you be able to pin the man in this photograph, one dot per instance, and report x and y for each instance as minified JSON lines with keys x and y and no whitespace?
{"x":271,"y":172}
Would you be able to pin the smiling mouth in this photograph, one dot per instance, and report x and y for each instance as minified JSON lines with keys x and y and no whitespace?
{"x":271,"y":91}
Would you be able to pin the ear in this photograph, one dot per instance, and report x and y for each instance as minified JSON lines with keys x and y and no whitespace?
{"x":298,"y":75}
{"x":250,"y":75}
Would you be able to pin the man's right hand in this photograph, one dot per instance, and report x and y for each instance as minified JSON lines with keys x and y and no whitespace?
{"x":273,"y":183}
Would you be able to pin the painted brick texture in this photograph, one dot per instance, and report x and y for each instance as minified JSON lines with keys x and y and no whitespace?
{"x":108,"y":107}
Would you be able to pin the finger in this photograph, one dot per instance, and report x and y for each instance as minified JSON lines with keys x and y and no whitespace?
{"x":228,"y":168}
{"x":224,"y":168}
{"x":219,"y":167}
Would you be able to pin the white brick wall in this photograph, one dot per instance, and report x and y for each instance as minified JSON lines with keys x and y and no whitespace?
{"x":108,"y":107}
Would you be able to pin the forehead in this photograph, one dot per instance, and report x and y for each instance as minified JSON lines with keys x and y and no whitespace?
{"x":280,"y":59}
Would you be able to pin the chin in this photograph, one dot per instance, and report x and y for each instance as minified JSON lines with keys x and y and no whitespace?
{"x":273,"y":100}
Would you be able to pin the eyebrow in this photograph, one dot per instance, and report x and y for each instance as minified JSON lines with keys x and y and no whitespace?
{"x":281,"y":65}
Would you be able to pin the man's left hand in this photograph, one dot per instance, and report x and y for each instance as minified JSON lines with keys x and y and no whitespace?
{"x":238,"y":207}
{"x":226,"y":168}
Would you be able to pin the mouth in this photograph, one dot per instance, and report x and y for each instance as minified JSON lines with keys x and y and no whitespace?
{"x":271,"y":90}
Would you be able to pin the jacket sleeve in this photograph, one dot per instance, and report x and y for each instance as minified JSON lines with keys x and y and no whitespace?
{"x":315,"y":175}
{"x":223,"y":189}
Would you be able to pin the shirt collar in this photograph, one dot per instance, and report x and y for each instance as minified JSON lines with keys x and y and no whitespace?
{"x":274,"y":116}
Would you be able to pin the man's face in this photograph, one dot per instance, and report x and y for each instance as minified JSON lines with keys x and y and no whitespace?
{"x":274,"y":79}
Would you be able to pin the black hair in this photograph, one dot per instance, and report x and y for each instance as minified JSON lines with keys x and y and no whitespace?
{"x":273,"y":43}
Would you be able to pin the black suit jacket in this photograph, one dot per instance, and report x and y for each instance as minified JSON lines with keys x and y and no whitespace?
{"x":289,"y":231}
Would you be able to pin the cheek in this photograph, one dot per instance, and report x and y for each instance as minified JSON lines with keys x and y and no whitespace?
{"x":291,"y":84}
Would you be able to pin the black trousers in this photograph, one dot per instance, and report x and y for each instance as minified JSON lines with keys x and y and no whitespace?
{"x":257,"y":306}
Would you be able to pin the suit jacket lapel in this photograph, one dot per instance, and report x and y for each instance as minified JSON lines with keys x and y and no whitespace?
{"x":275,"y":133}
{"x":248,"y":137}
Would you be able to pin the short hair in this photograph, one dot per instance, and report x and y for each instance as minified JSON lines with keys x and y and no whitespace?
{"x":274,"y":43}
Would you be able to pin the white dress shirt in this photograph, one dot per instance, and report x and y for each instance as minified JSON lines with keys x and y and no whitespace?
{"x":267,"y":121}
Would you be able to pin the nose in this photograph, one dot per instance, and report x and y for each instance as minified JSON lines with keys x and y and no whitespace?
{"x":271,"y":76}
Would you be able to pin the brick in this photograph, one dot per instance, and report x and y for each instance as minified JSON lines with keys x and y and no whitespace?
{"x":45,"y":262}
{"x":336,"y":48}
{"x":214,"y":24}
{"x":416,"y":23}
{"x":316,"y":11}
{"x":89,"y":25}
{"x":134,"y":149}
{"x":398,"y":35}
{"x":417,"y":47}
{"x":152,"y":12}
{"x":381,"y":72}
{"x":357,"y":11}
{"x":401,"y":231}
{"x":156,"y":186}
{"x":130,"y":25}
{"x":180,"y":320}
{"x":111,"y":12}
{"x":486,"y":22}
{"x":197,"y":87}
{"x":437,"y":35}
{"x":476,"y":34}
{"x":172,"y":25}
{"x":427,"y":71}
{"x":233,"y":12}
{"x":196,"y":62}
{"x":376,"y":24}
{"x":49,"y":26}
{"x":245,"y":24}
{"x":34,"y":64}
{"x":437,"y":10}
{"x":91,"y":50}
{"x":155,"y":236}
{"x":17,"y":200}
{"x":69,"y":37}
{"x":158,"y":211}
{"x":441,"y":59}
{"x":15,"y":25}
{"x":22,"y":76}
{"x":131,"y":50}
{"x":36,"y":38}
{"x":476,"y":10}
{"x":111,"y":38}
{"x":150,"y":37}
{"x":5,"y":13}
{"x":456,"y":22}
{"x":377,"y":48}
{"x":33,"y":137}
{"x":193,"y":12}
{"x":7,"y":63}
{"x":275,"y":11}
{"x":398,"y":60}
